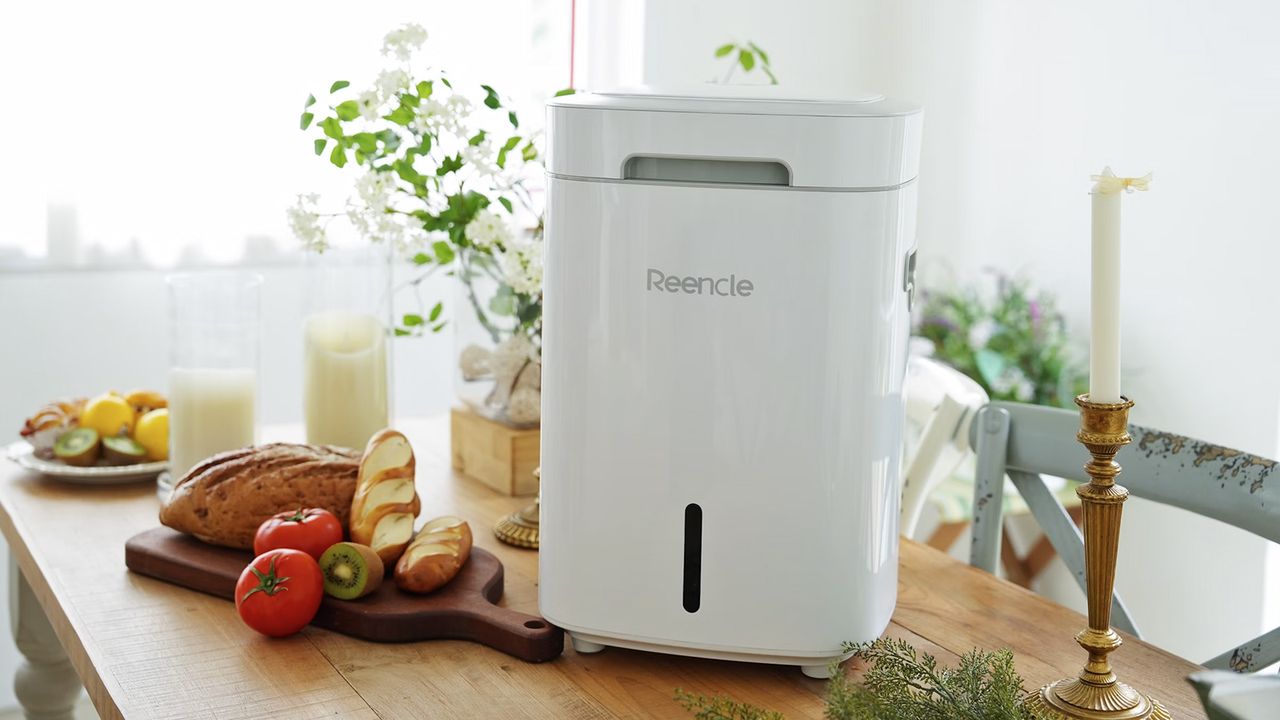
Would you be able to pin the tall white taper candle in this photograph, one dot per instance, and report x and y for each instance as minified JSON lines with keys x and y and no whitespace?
{"x":1104,"y":301}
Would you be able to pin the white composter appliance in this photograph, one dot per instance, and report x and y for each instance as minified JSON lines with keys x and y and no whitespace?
{"x":727,"y":282}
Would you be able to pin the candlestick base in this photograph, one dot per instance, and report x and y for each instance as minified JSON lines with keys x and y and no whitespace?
{"x":1075,"y":699}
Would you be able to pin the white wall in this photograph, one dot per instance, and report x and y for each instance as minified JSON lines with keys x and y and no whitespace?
{"x":1023,"y":102}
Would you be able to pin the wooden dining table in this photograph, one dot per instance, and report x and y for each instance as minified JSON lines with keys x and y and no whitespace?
{"x":146,"y":649}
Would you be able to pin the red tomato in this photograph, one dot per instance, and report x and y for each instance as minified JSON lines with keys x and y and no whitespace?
{"x":279,"y":592}
{"x":310,"y":530}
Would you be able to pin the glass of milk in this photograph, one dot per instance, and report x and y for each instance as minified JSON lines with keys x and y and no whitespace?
{"x":345,"y":336}
{"x":215,"y":328}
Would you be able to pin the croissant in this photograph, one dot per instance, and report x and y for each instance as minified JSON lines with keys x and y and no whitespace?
{"x":386,"y":503}
{"x":50,"y":421}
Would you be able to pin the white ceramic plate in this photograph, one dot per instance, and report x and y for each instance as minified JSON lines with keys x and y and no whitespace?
{"x":21,"y":453}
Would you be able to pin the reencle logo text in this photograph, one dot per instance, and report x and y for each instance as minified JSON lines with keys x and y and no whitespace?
{"x":692,"y":285}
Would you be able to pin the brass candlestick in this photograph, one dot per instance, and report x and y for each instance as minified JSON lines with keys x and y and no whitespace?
{"x":1096,"y":694}
{"x":520,"y":528}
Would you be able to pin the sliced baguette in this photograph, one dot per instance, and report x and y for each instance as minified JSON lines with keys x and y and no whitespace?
{"x":435,"y":556}
{"x":385,"y":503}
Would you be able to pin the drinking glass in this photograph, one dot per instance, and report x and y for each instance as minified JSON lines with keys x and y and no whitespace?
{"x":215,"y":326}
{"x":346,"y":353}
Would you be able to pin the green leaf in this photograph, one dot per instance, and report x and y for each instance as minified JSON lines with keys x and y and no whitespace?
{"x":515,"y":121}
{"x":991,"y":365}
{"x":449,"y":164}
{"x":331,"y":127}
{"x":306,"y":119}
{"x":435,"y":312}
{"x":566,"y":91}
{"x":411,"y":320}
{"x":724,"y":49}
{"x":438,"y":327}
{"x":402,"y":115}
{"x":366,"y":141}
{"x":421,"y":259}
{"x":507,"y":147}
{"x":444,"y":253}
{"x":320,"y":143}
{"x":506,"y":204}
{"x":446,"y":83}
{"x":764,"y":56}
{"x":476,"y":139}
{"x":490,"y":98}
{"x":311,"y":100}
{"x":338,"y":86}
{"x":338,"y":156}
{"x":746,"y":59}
{"x":529,"y":152}
{"x":503,"y":304}
{"x":390,"y":140}
{"x":348,"y":110}
{"x":402,"y":333}
{"x":424,"y":89}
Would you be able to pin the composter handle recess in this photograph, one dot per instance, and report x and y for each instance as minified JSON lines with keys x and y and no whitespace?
{"x":715,"y":171}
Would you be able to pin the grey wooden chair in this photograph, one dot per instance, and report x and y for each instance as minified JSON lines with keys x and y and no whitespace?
{"x":1023,"y":441}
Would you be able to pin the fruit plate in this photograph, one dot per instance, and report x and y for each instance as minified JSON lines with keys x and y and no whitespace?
{"x":21,"y":452}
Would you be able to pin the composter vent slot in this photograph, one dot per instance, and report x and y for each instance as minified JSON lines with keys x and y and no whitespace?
{"x":707,"y":170}
{"x":692,"y":557}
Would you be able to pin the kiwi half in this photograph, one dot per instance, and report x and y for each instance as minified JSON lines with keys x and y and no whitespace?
{"x":350,"y":570}
{"x":123,"y":450}
{"x":79,"y":447}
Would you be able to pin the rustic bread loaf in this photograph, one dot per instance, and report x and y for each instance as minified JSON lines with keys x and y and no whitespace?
{"x":224,"y":499}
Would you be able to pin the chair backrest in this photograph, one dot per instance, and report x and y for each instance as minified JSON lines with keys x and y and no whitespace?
{"x":1024,"y":441}
{"x":941,"y":402}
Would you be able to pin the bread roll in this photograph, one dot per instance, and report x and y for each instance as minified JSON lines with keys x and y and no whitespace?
{"x":435,"y":556}
{"x":386,"y":502}
{"x":224,"y":499}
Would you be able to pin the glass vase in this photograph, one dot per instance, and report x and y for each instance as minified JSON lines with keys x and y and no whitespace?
{"x":499,"y":362}
{"x":346,"y":334}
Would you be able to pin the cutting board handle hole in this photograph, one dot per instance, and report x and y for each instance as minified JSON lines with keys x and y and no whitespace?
{"x":534,"y":624}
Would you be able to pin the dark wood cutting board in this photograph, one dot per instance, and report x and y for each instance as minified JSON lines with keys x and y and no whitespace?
{"x":464,"y":609}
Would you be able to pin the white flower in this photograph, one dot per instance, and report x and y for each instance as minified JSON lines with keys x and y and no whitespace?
{"x":451,"y":115}
{"x":1024,"y":390}
{"x":981,"y":333}
{"x":522,"y":267}
{"x":1014,"y":381}
{"x":369,"y":102}
{"x":305,"y":223}
{"x":391,"y":82}
{"x":402,"y":41}
{"x":488,"y":230}
{"x":374,"y":189}
{"x":481,"y":157}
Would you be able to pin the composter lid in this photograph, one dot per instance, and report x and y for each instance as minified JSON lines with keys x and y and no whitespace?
{"x":740,"y":99}
{"x":820,"y":140}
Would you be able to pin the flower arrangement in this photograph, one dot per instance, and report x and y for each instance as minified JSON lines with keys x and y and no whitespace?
{"x":443,"y":178}
{"x":1013,"y":343}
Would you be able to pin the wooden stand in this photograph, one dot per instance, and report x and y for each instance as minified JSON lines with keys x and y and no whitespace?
{"x":499,"y":456}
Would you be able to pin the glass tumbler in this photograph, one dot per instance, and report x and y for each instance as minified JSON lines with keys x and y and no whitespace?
{"x":346,"y":350}
{"x":215,"y":327}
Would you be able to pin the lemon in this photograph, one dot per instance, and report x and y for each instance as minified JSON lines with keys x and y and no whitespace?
{"x":109,"y":414}
{"x":152,"y":433}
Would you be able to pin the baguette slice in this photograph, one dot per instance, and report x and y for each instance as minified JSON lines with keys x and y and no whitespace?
{"x":385,"y":503}
{"x":224,"y":499}
{"x":435,"y":556}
